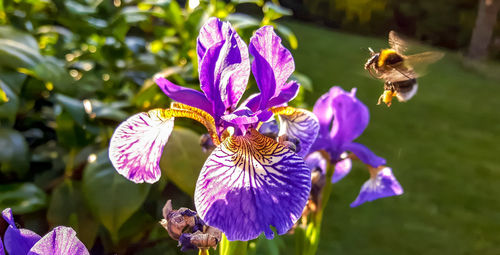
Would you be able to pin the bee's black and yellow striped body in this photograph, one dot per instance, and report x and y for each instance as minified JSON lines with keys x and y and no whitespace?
{"x":397,"y":70}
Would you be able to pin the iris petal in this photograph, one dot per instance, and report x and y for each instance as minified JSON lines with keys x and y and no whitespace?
{"x":365,"y":154}
{"x":351,"y":118}
{"x":2,"y":252}
{"x":302,"y":125}
{"x":59,"y":241}
{"x":137,"y":144}
{"x":184,"y":95}
{"x":384,"y":184}
{"x":342,"y":168}
{"x":273,"y":63}
{"x":17,"y":241}
{"x":323,"y":109}
{"x":250,"y":183}
{"x":287,"y":94}
{"x":225,"y":66}
{"x":316,"y":161}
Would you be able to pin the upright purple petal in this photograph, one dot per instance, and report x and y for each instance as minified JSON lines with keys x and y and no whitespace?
{"x":342,"y":168}
{"x":365,"y":154}
{"x":273,"y":63}
{"x":351,"y":118}
{"x":224,"y":66}
{"x":137,"y":144}
{"x":59,"y":241}
{"x":383,"y":184}
{"x":323,"y":109}
{"x":302,"y":125}
{"x":212,"y":32}
{"x":250,"y":183}
{"x":184,"y":95}
{"x":17,"y":241}
{"x":287,"y":94}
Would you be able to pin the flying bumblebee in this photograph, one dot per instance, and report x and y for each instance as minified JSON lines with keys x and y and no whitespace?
{"x":398,"y":70}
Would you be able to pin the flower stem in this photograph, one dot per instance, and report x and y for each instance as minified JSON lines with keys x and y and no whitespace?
{"x":203,"y":252}
{"x":313,"y":230}
{"x":232,"y":247}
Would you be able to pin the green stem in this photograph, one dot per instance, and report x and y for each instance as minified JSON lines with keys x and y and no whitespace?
{"x":314,"y":228}
{"x":227,"y":247}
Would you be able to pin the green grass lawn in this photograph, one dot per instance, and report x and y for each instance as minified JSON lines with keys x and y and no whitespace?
{"x":443,"y":145}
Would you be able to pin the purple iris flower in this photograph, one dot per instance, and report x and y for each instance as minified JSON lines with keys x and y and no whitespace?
{"x":343,"y":118}
{"x":59,"y":241}
{"x":250,"y":182}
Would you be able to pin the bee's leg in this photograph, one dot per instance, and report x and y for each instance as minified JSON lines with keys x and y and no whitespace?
{"x":386,"y":97}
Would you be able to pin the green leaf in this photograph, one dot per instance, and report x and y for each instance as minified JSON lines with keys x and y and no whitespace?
{"x":70,"y":133}
{"x":67,"y":208}
{"x":183,"y":159}
{"x":111,"y":197}
{"x":17,"y":35}
{"x":273,"y":11}
{"x":14,"y":152}
{"x":9,"y":108}
{"x":289,"y":36}
{"x":73,"y":106}
{"x":22,"y":197}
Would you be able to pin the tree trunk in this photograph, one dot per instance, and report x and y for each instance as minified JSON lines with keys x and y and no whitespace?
{"x":483,"y":30}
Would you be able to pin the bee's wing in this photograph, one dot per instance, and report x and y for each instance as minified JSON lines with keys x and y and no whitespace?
{"x":396,"y":43}
{"x":420,"y":61}
{"x":398,"y":74}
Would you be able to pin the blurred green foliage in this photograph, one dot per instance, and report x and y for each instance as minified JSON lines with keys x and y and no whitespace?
{"x":445,"y":23}
{"x":70,"y":72}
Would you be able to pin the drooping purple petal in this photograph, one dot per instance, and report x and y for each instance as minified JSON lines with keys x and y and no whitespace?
{"x":250,"y":183}
{"x":351,"y":118}
{"x":17,"y":241}
{"x":365,"y":154}
{"x":302,"y":125}
{"x":224,"y":67}
{"x":184,"y":95}
{"x":273,"y":63}
{"x":137,"y":144}
{"x":287,"y":94}
{"x":342,"y":168}
{"x":384,"y":184}
{"x":316,"y":161}
{"x":185,"y":242}
{"x":59,"y":241}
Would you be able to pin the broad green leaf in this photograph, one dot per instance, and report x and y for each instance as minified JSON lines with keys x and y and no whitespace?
{"x":8,"y":109}
{"x":17,"y":35}
{"x":257,"y":2}
{"x":111,"y":197}
{"x":70,"y":133}
{"x":243,"y":21}
{"x":183,"y":159}
{"x":67,"y":208}
{"x":22,"y":197}
{"x":73,"y":106}
{"x":289,"y":36}
{"x":14,"y":153}
{"x":77,"y":8}
{"x":273,"y":11}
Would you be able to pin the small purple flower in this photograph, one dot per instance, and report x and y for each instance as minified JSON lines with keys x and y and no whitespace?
{"x":250,"y":182}
{"x":342,"y":119}
{"x":59,"y":241}
{"x":382,"y":183}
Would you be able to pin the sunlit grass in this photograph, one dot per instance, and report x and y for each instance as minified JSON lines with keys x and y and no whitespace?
{"x":443,"y":145}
